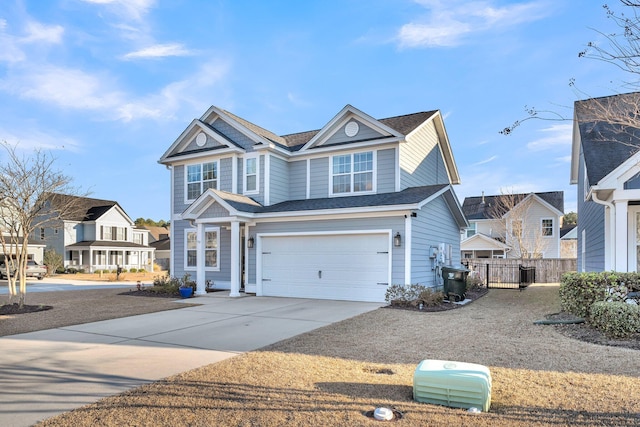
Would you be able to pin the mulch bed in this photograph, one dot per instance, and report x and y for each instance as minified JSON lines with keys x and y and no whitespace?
{"x":148,"y":293}
{"x":9,"y":309}
{"x":472,"y":295}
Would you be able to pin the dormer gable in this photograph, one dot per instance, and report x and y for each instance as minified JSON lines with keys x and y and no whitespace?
{"x":350,"y":126}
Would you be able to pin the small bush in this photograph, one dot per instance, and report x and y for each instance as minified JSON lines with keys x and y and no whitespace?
{"x":60,"y":270}
{"x":405,"y":295}
{"x":578,"y":291}
{"x":142,"y":270}
{"x":615,"y":319}
{"x":71,"y":270}
{"x":133,"y":270}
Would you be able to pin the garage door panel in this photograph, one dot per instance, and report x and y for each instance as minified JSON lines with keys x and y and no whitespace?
{"x":351,"y":267}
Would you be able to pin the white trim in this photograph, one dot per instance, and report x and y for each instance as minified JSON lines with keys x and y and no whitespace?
{"x":396,"y":165}
{"x":258,"y":246}
{"x":374,"y":172}
{"x":256,"y":157}
{"x":308,"y":160}
{"x":198,"y":243}
{"x":234,"y":174}
{"x":267,"y":179}
{"x":553,"y":227}
{"x":407,"y":249}
{"x":622,"y":237}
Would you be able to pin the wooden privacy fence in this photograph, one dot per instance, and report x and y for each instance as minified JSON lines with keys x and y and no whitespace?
{"x":547,"y":270}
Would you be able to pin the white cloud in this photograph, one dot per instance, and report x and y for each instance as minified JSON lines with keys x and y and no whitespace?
{"x":39,"y":33}
{"x":159,"y":51}
{"x":482,"y":162}
{"x":127,"y":9}
{"x":30,"y":138}
{"x":560,"y":136}
{"x":452,"y":23}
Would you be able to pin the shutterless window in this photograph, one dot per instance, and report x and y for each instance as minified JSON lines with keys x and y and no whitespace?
{"x":251,"y":175}
{"x":201,"y":177}
{"x":547,"y":227}
{"x":210,"y":249}
{"x":352,"y":173}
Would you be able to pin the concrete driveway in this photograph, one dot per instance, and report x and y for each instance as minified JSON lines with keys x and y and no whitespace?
{"x":45,"y":373}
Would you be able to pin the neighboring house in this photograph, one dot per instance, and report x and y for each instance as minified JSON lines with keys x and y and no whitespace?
{"x":156,"y":233}
{"x":337,"y":213}
{"x":605,"y":166}
{"x":513,"y":225}
{"x":98,"y":235}
{"x":569,"y":241}
{"x":162,"y":252}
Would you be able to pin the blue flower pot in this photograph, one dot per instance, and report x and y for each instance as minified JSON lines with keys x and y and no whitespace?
{"x":186,"y":292}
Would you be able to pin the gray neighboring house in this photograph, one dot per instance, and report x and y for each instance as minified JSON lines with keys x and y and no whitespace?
{"x":605,"y":166}
{"x":98,"y":235}
{"x":336,"y":213}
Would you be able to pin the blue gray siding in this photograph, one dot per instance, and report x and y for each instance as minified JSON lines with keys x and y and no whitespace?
{"x":433,"y":225}
{"x":319,"y":178}
{"x":386,"y":171}
{"x":178,"y":189}
{"x":298,"y":180}
{"x":279,"y":177}
{"x":364,"y":133}
{"x":225,"y":177}
{"x":590,"y":218}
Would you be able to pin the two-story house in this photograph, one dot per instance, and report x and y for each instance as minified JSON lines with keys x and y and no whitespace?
{"x":96,"y":235}
{"x":523,"y":225}
{"x":605,"y":166}
{"x":336,"y":213}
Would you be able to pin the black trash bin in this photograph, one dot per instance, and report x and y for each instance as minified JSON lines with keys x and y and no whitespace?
{"x":455,"y":282}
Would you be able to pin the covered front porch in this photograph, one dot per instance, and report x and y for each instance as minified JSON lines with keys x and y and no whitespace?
{"x":481,"y":246}
{"x":94,"y":256}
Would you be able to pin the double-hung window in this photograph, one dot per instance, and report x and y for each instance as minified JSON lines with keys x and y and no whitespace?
{"x":211,"y":253}
{"x":547,"y":227}
{"x":352,"y":173}
{"x":250,"y":175}
{"x":201,"y":177}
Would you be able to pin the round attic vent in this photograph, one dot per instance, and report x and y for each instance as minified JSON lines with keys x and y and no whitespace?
{"x":351,"y":129}
{"x":201,"y":139}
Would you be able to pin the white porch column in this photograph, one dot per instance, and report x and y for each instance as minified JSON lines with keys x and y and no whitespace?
{"x":407,"y":249}
{"x":620,"y":232}
{"x":235,"y":259}
{"x":200,"y":242}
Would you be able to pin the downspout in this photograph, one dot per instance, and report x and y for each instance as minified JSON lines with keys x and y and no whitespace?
{"x":612,"y":227}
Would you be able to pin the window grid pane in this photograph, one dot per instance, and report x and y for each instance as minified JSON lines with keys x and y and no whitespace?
{"x":209,"y":171}
{"x":193,"y":173}
{"x":363,"y":182}
{"x":342,"y":184}
{"x":342,"y":164}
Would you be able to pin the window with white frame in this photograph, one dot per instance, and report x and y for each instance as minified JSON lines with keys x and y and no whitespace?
{"x":113,"y":233}
{"x":547,"y":227}
{"x":472,"y":230}
{"x":211,"y":253}
{"x":200,"y":177}
{"x":250,"y":175}
{"x":352,"y":173}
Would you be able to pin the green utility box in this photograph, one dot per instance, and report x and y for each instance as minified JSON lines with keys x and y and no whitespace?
{"x":452,"y":384}
{"x":455,"y":282}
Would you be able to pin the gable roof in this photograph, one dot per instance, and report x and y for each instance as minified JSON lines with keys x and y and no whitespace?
{"x":483,"y":207}
{"x":605,"y":145}
{"x":482,"y":242}
{"x":294,"y":142}
{"x":84,"y":208}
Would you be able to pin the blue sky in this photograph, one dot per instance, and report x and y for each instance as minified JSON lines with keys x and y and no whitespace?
{"x":107,"y":85}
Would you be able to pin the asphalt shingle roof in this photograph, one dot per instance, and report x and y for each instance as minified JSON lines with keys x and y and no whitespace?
{"x":84,"y":208}
{"x":406,"y":197}
{"x":483,"y":207}
{"x":605,"y":146}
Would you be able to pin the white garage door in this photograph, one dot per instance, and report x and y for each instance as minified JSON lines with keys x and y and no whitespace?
{"x":342,"y":267}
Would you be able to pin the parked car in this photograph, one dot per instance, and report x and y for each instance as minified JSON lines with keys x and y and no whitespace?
{"x":33,"y":270}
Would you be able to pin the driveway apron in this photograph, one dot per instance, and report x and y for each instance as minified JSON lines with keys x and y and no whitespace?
{"x":49,"y":372}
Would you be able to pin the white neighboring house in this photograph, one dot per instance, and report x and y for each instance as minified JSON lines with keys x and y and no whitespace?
{"x":492,"y":225}
{"x":99,"y":235}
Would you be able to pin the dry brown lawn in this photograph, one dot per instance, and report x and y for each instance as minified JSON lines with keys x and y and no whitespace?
{"x":334,"y":375}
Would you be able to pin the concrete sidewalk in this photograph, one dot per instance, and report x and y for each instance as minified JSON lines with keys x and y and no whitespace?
{"x":48,"y":372}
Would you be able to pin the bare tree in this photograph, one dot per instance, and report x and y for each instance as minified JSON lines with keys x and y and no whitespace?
{"x":622,"y":50}
{"x":29,"y":196}
{"x":518,"y":227}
